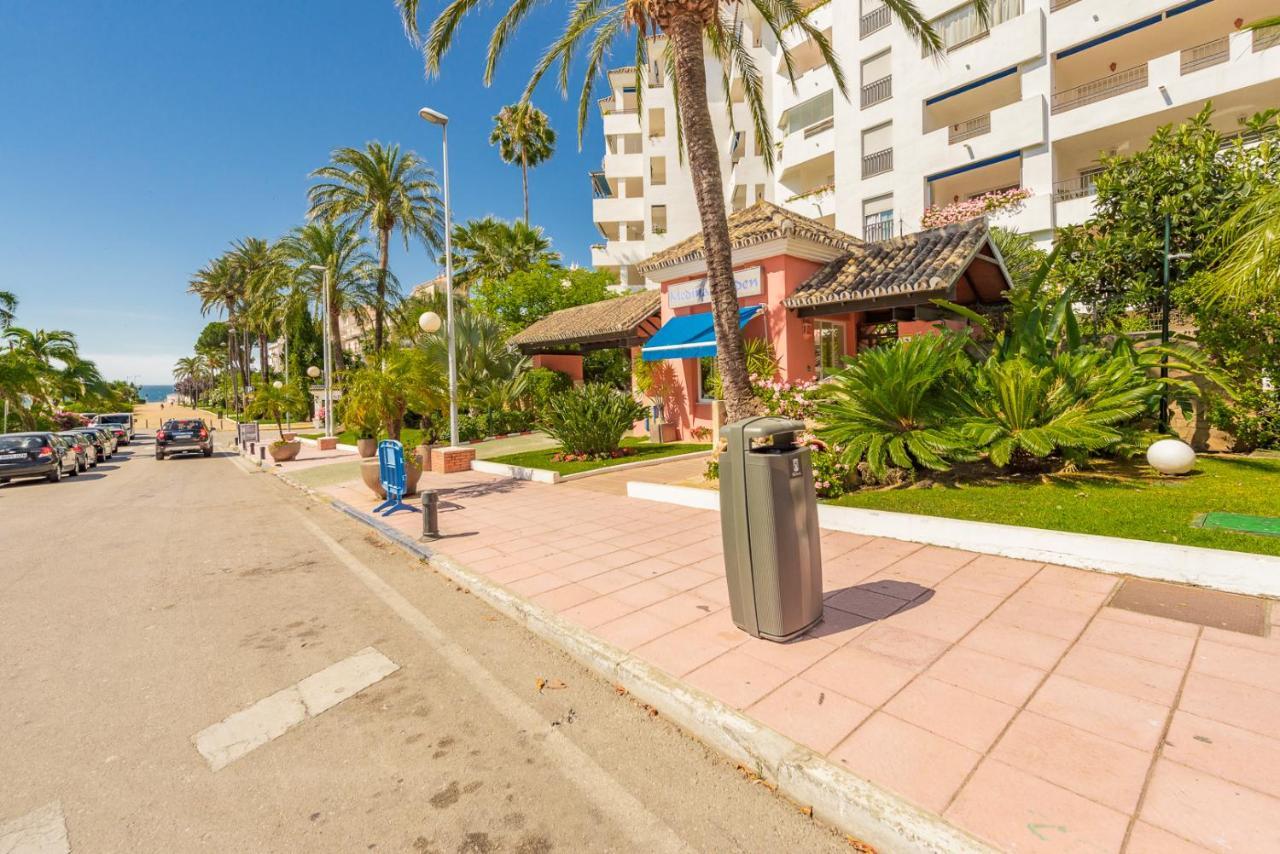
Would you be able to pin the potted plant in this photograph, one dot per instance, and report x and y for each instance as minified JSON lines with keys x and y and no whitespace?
{"x":273,"y":402}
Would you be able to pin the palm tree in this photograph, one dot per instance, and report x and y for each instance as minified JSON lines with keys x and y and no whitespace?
{"x":339,"y":248}
{"x":525,"y":136}
{"x":489,"y":249}
{"x":384,"y":190}
{"x":690,"y":27}
{"x":220,"y":288}
{"x":8,"y":305}
{"x":44,"y":345}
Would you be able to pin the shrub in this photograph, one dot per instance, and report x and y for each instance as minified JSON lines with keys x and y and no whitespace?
{"x":591,"y":419}
{"x":544,"y":384}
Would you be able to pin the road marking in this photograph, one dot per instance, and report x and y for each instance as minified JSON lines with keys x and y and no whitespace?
{"x":42,"y":831}
{"x":269,"y":718}
{"x":646,"y":830}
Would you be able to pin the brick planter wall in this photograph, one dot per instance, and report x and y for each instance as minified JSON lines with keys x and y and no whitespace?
{"x":451,"y":460}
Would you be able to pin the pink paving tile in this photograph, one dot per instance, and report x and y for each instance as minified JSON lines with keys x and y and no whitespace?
{"x":682,"y":650}
{"x":1010,"y":566}
{"x":1269,"y":645}
{"x":593,"y":612}
{"x":1077,"y":579}
{"x":736,"y":679}
{"x":982,"y":580}
{"x":633,"y":630}
{"x":1019,"y":812}
{"x":1056,"y":596}
{"x":901,"y":646}
{"x":681,"y":609}
{"x":909,"y":570}
{"x":860,"y":674}
{"x":1232,"y":702}
{"x":580,"y":570}
{"x":1103,"y":712}
{"x":873,"y":558}
{"x":942,"y":557}
{"x":922,"y":767}
{"x":839,"y":574}
{"x":1015,"y":644}
{"x":887,"y":583}
{"x":650,"y":567}
{"x":652,"y":548}
{"x":1173,"y":627}
{"x":1222,"y":750}
{"x":812,"y":715}
{"x":682,"y":579}
{"x":961,"y":716}
{"x":839,"y":627}
{"x":1139,"y":642}
{"x":1238,"y":664}
{"x":836,"y":544}
{"x":1091,"y":766}
{"x":792,"y":656}
{"x":535,"y":584}
{"x":715,"y":592}
{"x":935,"y":621}
{"x":992,"y":677}
{"x":591,"y":548}
{"x":864,"y":603}
{"x":962,"y":599}
{"x":1210,"y":811}
{"x":1149,"y":839}
{"x":1145,"y":680}
{"x":607,"y":582}
{"x":642,"y":594}
{"x":1045,"y":619}
{"x":564,"y":598}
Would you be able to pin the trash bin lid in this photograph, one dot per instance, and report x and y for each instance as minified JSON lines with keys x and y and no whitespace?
{"x":764,"y":427}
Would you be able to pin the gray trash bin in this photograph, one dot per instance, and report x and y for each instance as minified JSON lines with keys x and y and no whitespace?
{"x":769,"y":519}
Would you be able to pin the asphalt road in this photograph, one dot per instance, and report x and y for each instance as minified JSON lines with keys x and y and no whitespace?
{"x":144,"y":602}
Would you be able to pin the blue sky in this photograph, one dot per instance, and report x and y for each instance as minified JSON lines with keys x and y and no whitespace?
{"x":138,"y":138}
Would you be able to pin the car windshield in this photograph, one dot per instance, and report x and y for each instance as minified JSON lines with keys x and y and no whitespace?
{"x":21,"y":443}
{"x":185,"y":424}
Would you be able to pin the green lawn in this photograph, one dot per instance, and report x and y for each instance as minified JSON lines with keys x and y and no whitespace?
{"x":1117,"y":501}
{"x":643,"y":450}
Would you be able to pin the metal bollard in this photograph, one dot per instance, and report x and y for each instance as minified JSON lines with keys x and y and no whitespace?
{"x":430,"y":514}
{"x":262,"y":453}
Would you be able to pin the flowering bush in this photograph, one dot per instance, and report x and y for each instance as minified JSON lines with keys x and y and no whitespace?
{"x":616,"y":453}
{"x":1011,"y":199}
{"x":831,"y":477}
{"x":786,"y":399}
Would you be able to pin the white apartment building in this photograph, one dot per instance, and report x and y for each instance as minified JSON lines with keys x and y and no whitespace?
{"x":1031,"y":101}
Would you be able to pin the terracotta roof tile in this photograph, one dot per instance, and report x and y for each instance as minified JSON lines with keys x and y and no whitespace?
{"x":617,"y":317}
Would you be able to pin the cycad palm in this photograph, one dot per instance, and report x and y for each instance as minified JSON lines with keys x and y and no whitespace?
{"x":525,"y":136}
{"x":594,"y":26}
{"x":489,"y":249}
{"x":383,"y":189}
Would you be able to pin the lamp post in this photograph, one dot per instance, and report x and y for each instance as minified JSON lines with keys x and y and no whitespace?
{"x":1164,"y":318}
{"x":328,"y":347}
{"x":442,"y":120}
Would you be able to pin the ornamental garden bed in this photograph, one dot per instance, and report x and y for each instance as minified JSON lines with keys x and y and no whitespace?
{"x":636,"y":450}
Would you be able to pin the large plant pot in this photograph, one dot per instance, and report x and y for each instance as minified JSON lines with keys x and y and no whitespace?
{"x":369,"y":474}
{"x":423,"y":453}
{"x":282,"y":452}
{"x":367,"y":447}
{"x":288,"y":437}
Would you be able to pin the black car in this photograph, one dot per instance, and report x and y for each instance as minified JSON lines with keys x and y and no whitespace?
{"x":183,"y":435}
{"x":35,"y":455}
{"x":108,"y":440}
{"x":86,"y":453}
{"x":97,"y":441}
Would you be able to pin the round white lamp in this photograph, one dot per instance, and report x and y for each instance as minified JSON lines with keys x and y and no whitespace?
{"x":1171,"y":456}
{"x":429,"y":322}
{"x":277,"y":384}
{"x":313,"y":372}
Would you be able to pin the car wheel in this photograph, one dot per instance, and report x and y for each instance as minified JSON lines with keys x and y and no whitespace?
{"x":159,"y":456}
{"x":3,"y":480}
{"x":81,"y":466}
{"x":55,"y":475}
{"x":75,"y":470}
{"x":208,"y":452}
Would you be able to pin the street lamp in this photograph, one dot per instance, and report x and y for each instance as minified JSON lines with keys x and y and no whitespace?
{"x":328,"y":349}
{"x":1165,"y":299}
{"x":435,"y":118}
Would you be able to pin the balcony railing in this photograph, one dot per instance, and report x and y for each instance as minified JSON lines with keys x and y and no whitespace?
{"x":1205,"y":55}
{"x":1078,"y":187}
{"x":819,"y":127}
{"x":874,"y":21}
{"x":969,"y":128}
{"x":877,"y":91}
{"x":1110,"y":86}
{"x":873,"y":231}
{"x":877,"y":163}
{"x":1265,"y":37}
{"x":1055,"y":5}
{"x":608,"y":108}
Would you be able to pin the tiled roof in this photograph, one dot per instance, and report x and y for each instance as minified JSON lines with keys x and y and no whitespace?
{"x":616,"y":318}
{"x":925,"y":265}
{"x":761,"y":222}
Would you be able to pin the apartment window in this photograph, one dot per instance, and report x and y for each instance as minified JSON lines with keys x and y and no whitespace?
{"x":877,"y":79}
{"x":809,"y":112}
{"x":875,"y":17}
{"x":739,"y":200}
{"x":657,"y":171}
{"x":658,"y":219}
{"x":656,"y":74}
{"x":736,"y":150}
{"x":877,"y":150}
{"x":961,"y":26}
{"x":877,"y":218}
{"x":759,"y":192}
{"x":657,"y":122}
{"x":828,"y":347}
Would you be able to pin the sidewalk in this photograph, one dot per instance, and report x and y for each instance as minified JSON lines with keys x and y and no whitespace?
{"x":1002,"y":695}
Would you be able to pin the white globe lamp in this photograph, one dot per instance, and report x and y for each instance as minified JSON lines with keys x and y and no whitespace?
{"x":277,"y":384}
{"x":429,"y":322}
{"x":1171,"y":456}
{"x":313,"y":372}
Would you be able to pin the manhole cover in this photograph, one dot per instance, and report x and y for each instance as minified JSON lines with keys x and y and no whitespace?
{"x":1230,"y":611}
{"x":1268,"y":526}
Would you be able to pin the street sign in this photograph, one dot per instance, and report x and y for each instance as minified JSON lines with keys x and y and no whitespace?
{"x":249,"y":432}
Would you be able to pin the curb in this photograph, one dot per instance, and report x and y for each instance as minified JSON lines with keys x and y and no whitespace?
{"x":551,"y":476}
{"x":837,"y":797}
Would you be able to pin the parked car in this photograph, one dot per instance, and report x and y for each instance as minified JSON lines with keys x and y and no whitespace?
{"x":123,"y":420}
{"x":35,"y":455}
{"x":184,"y":435}
{"x":118,"y":433}
{"x":96,"y":441}
{"x":108,"y":440}
{"x":86,"y":453}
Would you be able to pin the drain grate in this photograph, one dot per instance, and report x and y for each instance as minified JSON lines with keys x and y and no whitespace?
{"x":1233,"y":612}
{"x":1268,"y":526}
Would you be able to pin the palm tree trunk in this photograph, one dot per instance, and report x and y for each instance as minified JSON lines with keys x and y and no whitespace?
{"x":685,"y":32}
{"x":262,"y":354}
{"x":231,"y":362}
{"x":524,"y":177}
{"x":335,"y":339}
{"x":384,"y":242}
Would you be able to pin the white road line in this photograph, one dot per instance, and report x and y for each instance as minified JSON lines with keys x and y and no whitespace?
{"x":250,"y":728}
{"x":42,"y":831}
{"x":648,"y":831}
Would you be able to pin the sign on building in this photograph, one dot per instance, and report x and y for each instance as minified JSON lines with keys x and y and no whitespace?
{"x":249,"y":432}
{"x":748,"y":282}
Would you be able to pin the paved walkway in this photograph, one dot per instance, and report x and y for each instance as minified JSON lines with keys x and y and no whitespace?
{"x":1002,"y":694}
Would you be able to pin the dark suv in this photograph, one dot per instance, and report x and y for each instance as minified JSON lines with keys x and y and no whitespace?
{"x":183,"y":435}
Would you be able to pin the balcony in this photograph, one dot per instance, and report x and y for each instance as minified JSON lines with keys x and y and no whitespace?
{"x":1266,"y":37}
{"x":1055,"y":5}
{"x":623,"y":165}
{"x":619,"y":253}
{"x":877,"y":91}
{"x":1129,"y":80}
{"x":877,"y":163}
{"x":815,"y":203}
{"x":1079,"y":187}
{"x":617,"y":209}
{"x":1210,"y":53}
{"x":874,"y":21}
{"x":876,"y":229}
{"x":969,"y":128}
{"x":1013,"y":127}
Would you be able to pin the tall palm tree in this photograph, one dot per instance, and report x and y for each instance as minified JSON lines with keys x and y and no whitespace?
{"x":489,"y":249}
{"x":8,"y":305}
{"x":220,"y":288}
{"x":339,"y":248}
{"x":382,"y":189}
{"x":691,"y":27}
{"x":525,"y":136}
{"x":44,"y":345}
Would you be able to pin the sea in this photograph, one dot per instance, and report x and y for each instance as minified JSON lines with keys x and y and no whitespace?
{"x":155,"y":393}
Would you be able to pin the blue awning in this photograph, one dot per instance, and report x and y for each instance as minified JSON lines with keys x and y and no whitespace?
{"x":690,"y":336}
